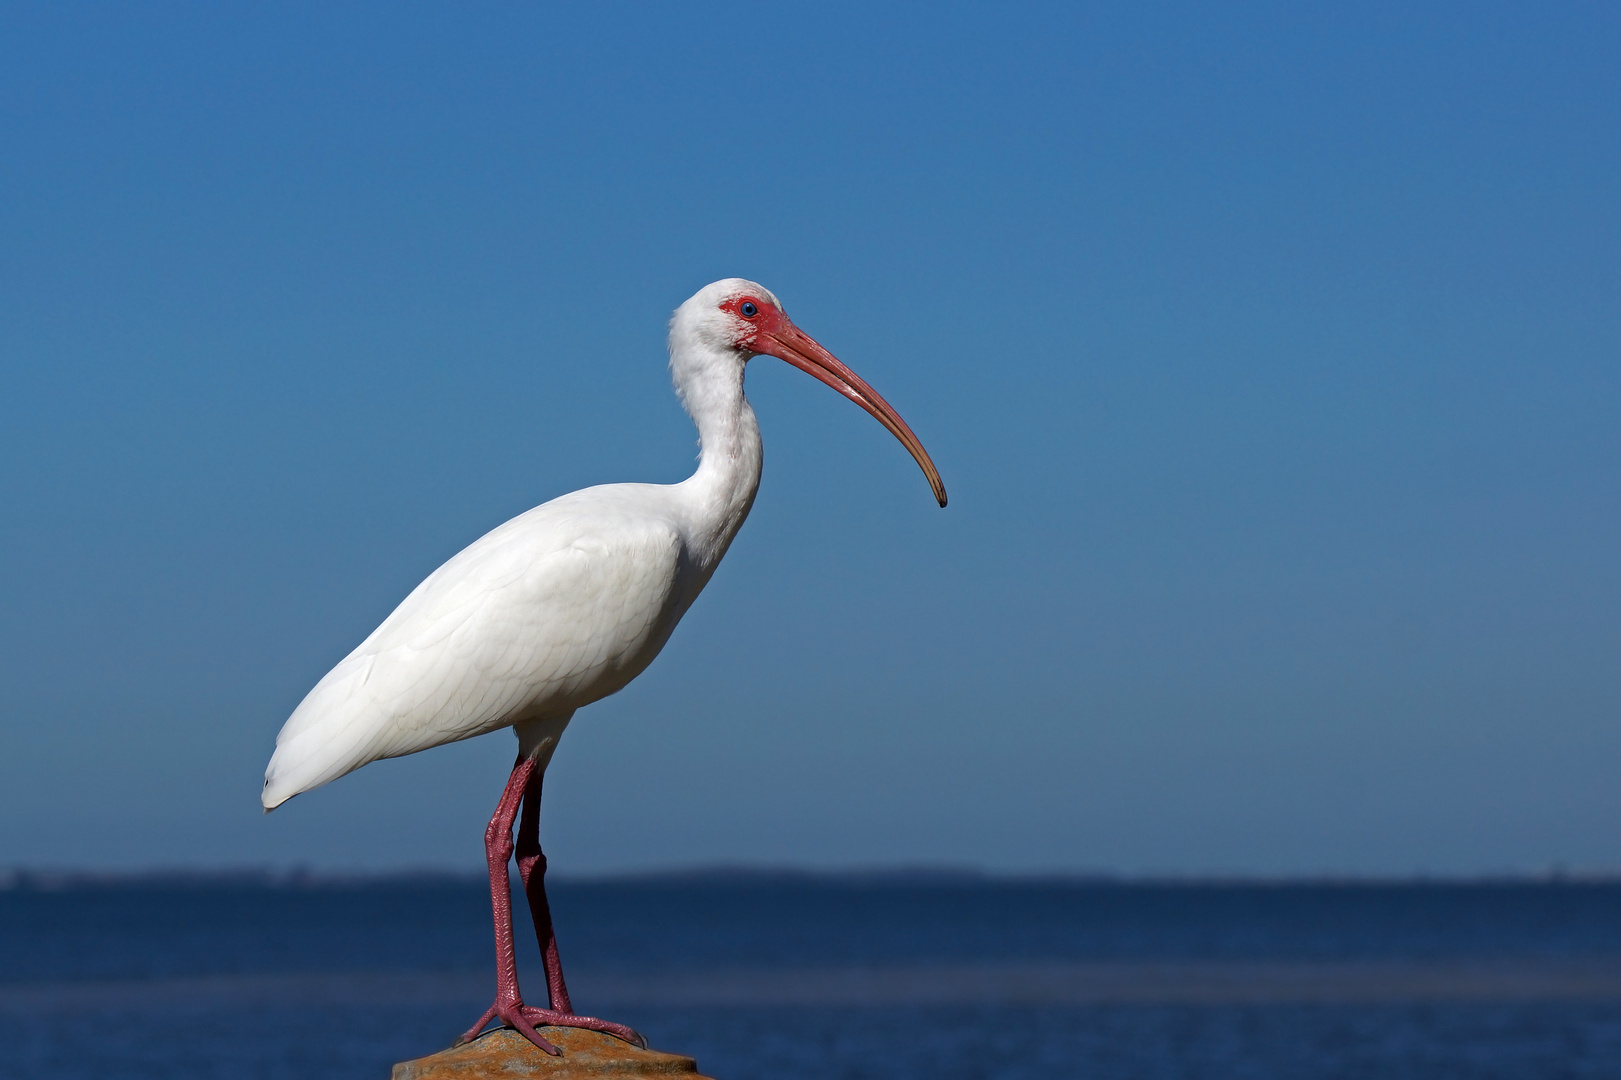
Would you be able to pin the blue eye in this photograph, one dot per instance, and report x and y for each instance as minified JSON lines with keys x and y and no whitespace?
{"x":749,"y":310}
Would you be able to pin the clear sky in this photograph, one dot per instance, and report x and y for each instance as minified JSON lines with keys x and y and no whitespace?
{"x":1272,"y":359}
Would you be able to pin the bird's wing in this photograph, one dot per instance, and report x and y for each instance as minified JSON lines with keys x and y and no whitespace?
{"x":545,"y":613}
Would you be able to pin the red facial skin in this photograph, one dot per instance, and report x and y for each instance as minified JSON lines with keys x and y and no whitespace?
{"x":769,"y":332}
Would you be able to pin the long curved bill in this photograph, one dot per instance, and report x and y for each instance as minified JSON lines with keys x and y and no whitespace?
{"x":789,"y":343}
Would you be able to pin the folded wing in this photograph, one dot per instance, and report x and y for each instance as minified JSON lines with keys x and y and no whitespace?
{"x":555,"y":609}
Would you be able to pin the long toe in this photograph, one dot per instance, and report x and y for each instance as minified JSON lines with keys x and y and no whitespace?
{"x":477,"y":1029}
{"x":515,"y":1017}
{"x":607,"y":1027}
{"x":527,"y":1030}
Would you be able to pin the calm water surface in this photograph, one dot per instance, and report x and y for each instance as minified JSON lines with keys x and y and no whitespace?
{"x":795,"y":978}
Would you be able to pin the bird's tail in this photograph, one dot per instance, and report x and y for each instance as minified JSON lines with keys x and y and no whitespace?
{"x":331,"y":733}
{"x":307,"y":762}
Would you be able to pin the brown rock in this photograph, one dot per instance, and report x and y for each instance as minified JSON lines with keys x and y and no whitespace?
{"x":503,"y":1053}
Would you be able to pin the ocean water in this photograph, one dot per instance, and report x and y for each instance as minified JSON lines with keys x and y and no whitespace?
{"x":793,"y":977}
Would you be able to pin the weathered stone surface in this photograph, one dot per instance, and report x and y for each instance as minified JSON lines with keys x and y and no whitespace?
{"x":503,"y":1053}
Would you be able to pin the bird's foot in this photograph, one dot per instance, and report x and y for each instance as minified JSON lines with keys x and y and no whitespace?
{"x":511,"y":1014}
{"x":539,"y":1017}
{"x":526,"y":1018}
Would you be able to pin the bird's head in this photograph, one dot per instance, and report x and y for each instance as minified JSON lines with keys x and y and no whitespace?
{"x":741,"y":319}
{"x":729,"y":316}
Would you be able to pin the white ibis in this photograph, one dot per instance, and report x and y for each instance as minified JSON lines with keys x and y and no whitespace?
{"x":560,"y":607}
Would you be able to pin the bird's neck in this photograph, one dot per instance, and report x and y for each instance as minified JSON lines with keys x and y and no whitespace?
{"x":718,"y":496}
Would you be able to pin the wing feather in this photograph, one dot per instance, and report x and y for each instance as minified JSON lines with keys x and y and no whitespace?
{"x":548,"y":612}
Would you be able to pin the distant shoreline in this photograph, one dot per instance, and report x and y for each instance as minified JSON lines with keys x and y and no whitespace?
{"x":27,"y":879}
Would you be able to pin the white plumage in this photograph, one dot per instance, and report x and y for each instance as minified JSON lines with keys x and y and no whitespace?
{"x":565,"y":604}
{"x":557,"y":608}
{"x":562,"y":606}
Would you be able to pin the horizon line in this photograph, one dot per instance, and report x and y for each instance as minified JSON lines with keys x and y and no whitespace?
{"x":50,"y":879}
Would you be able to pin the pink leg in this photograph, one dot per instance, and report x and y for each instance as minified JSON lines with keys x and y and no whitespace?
{"x":532,"y":869}
{"x":524,"y":786}
{"x":508,"y":1007}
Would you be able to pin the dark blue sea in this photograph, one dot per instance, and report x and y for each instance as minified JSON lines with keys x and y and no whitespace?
{"x":784,"y":977}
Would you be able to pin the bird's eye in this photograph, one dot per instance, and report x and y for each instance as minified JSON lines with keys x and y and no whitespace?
{"x":748,"y":309}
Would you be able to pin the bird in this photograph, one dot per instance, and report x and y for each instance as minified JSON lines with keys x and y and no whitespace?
{"x":560,"y":607}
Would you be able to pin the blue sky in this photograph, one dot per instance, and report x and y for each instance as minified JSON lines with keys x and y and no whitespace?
{"x":1272,"y":358}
